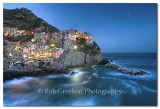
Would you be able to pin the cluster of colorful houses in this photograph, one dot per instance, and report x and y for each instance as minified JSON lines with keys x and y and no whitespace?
{"x":47,"y":45}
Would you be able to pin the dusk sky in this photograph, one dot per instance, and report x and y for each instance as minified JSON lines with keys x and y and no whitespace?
{"x":115,"y":27}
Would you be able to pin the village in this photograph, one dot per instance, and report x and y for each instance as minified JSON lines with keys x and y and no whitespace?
{"x":43,"y":46}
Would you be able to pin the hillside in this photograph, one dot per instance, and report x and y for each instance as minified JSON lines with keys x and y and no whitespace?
{"x":24,"y":19}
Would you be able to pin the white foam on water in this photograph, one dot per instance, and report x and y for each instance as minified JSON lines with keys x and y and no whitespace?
{"x":108,"y":78}
{"x":58,"y":76}
{"x":132,"y":89}
{"x":95,"y":73}
{"x":149,"y":89}
{"x":78,"y":83}
{"x":18,"y":81}
{"x":135,"y":88}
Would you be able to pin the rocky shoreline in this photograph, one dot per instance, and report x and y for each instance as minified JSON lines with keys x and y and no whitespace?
{"x":125,"y":70}
{"x":57,"y":68}
{"x":32,"y":69}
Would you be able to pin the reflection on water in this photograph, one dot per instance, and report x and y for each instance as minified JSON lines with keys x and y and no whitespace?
{"x":135,"y":90}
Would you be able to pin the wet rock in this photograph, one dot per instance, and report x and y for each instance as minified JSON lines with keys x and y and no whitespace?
{"x":72,"y":73}
{"x":34,"y":69}
{"x":104,"y":61}
{"x":126,"y":70}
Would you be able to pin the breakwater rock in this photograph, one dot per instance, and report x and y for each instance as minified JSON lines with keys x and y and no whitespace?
{"x":125,"y":70}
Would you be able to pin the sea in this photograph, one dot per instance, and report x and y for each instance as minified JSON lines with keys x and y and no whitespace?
{"x":93,"y":85}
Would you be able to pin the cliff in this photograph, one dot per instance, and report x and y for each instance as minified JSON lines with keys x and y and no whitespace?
{"x":24,"y":19}
{"x":75,"y":58}
{"x":85,"y":54}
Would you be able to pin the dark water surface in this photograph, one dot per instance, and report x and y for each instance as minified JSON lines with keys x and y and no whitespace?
{"x":141,"y":90}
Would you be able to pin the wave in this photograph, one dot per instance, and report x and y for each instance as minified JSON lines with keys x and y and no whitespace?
{"x":79,"y":83}
{"x":130,"y":86}
{"x":58,"y":76}
{"x":96,"y":71}
{"x":149,"y":89}
{"x":17,"y":80}
{"x":134,"y":88}
{"x":74,"y":84}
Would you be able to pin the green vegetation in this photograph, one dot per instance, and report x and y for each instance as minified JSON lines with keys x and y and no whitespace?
{"x":24,"y":19}
{"x":81,"y":41}
{"x":91,"y":49}
{"x":24,"y":38}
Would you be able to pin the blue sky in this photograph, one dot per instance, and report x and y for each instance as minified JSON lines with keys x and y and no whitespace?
{"x":115,"y":27}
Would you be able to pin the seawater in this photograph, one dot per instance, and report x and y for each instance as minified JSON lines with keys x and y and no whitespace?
{"x":47,"y":90}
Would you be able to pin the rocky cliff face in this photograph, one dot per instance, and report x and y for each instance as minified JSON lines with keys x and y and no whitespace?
{"x":81,"y":57}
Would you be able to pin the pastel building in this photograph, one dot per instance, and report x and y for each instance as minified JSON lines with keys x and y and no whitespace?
{"x":13,"y":32}
{"x":32,"y":31}
{"x":58,"y":52}
{"x":68,"y":45}
{"x":6,"y":31}
{"x":20,"y":32}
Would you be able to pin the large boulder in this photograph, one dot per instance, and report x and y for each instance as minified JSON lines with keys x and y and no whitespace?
{"x":104,"y":61}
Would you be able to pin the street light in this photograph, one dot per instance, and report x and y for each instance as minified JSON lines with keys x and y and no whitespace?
{"x":10,"y":55}
{"x":37,"y":55}
{"x":75,"y":47}
{"x":32,"y":40}
{"x":24,"y":56}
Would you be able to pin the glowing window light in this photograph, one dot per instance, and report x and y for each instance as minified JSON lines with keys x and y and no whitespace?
{"x":16,"y":48}
{"x":52,"y":45}
{"x":76,"y":36}
{"x":86,"y":37}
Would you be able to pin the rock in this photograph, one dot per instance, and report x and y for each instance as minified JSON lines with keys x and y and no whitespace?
{"x":36,"y":63}
{"x":30,"y":70}
{"x":72,"y":73}
{"x":104,"y":61}
{"x":76,"y":58}
{"x":125,"y":70}
{"x":94,"y":59}
{"x":111,"y":60}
